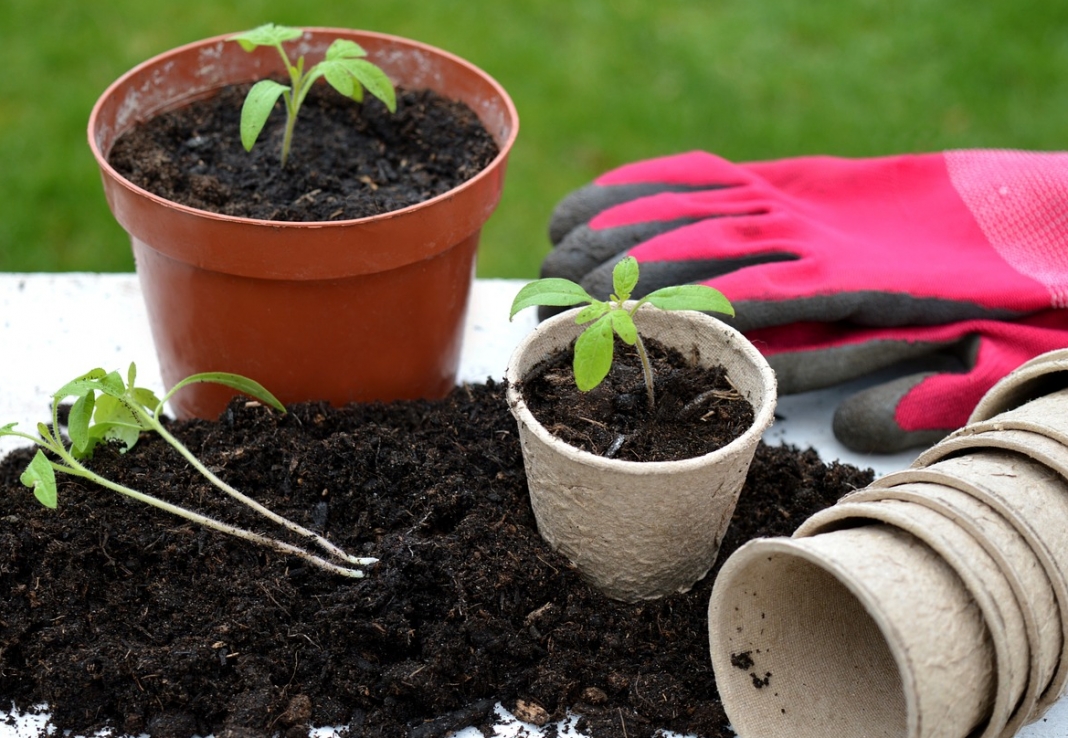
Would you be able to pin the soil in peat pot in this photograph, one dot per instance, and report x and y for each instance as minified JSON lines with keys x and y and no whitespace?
{"x":115,"y":614}
{"x":348,"y":160}
{"x":697,"y":410}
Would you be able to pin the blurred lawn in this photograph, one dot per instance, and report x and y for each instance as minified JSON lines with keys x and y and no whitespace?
{"x":597,"y":84}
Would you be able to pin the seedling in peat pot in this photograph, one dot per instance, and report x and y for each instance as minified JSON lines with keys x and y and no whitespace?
{"x":121,"y":413}
{"x":594,"y":347}
{"x":344,"y":68}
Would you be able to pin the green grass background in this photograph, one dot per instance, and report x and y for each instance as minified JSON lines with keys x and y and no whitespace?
{"x":597,"y":84}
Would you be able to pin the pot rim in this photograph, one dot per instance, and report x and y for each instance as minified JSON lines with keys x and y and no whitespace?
{"x":222,"y":41}
{"x":763,"y":418}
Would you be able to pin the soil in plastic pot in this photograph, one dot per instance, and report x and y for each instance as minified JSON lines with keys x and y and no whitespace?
{"x":348,"y":160}
{"x":116,"y":614}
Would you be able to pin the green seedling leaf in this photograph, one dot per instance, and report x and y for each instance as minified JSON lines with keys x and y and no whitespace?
{"x":40,"y":476}
{"x":375,"y":80}
{"x":146,"y":398}
{"x":97,"y":380}
{"x":115,"y":420}
{"x":266,"y":35}
{"x":549,"y":291}
{"x":234,"y":381}
{"x":593,"y":354}
{"x":257,"y":108}
{"x":592,"y":312}
{"x":9,"y":428}
{"x":81,"y":414}
{"x":341,"y":79}
{"x":92,"y":374}
{"x":624,"y":326}
{"x":625,"y":277}
{"x":344,"y":48}
{"x":690,"y":297}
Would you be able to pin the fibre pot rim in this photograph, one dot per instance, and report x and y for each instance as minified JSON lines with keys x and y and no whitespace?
{"x":763,"y":403}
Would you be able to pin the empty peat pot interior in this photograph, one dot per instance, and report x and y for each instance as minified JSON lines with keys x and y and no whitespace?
{"x":1029,"y":382}
{"x":797,"y":653}
{"x":838,"y":680}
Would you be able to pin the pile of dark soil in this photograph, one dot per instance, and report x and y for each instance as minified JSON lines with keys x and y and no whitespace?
{"x":347,"y":160}
{"x":115,"y":614}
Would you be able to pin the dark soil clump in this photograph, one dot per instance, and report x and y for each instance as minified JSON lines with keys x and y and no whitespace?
{"x":347,"y":160}
{"x":116,"y":614}
{"x":697,"y":410}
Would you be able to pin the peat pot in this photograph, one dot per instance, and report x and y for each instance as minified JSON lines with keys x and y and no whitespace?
{"x":641,"y":530}
{"x":865,"y":631}
{"x":357,"y":310}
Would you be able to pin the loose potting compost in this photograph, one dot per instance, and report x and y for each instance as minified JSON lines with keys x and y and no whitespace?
{"x":115,"y":614}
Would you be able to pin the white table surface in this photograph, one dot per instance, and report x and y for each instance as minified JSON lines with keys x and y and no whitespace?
{"x":55,"y":326}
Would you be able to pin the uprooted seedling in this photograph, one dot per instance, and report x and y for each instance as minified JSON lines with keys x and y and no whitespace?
{"x":108,"y":409}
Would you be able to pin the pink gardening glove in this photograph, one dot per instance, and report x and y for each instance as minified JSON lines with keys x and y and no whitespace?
{"x":965,"y":360}
{"x":902,"y":240}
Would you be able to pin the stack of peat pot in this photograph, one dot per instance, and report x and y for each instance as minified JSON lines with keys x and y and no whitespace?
{"x":933,"y":603}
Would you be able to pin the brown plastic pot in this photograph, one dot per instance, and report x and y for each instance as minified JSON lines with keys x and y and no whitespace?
{"x":357,"y":310}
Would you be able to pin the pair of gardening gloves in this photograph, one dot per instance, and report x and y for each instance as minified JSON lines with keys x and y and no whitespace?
{"x":955,"y":263}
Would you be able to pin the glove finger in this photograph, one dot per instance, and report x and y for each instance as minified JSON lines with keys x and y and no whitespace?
{"x":628,"y":204}
{"x":584,"y":248}
{"x":701,"y":169}
{"x":868,"y":422}
{"x":657,"y":274}
{"x":920,"y":409}
{"x":580,"y":206}
{"x":811,"y":356}
{"x":643,"y":221}
{"x":708,"y":203}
